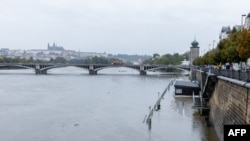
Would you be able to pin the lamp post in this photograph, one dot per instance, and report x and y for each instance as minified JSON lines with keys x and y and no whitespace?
{"x":213,"y":43}
{"x":243,"y":15}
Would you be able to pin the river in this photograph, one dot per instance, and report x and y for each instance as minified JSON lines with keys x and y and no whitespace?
{"x":67,"y":104}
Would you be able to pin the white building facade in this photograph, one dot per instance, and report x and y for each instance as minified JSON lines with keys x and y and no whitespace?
{"x":247,"y":21}
{"x":225,"y":32}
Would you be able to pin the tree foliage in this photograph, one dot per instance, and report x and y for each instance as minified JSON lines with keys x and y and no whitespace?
{"x":18,"y":60}
{"x":243,"y":47}
{"x":166,"y":59}
{"x":235,"y":48}
{"x":92,"y":60}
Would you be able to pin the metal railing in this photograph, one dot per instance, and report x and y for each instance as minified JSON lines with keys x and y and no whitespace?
{"x":241,"y":75}
{"x":156,"y":107}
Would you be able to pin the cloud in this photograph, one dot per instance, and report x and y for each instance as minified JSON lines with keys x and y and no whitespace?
{"x":116,"y":26}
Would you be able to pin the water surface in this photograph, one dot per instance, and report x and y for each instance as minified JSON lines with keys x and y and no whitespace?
{"x":70,"y":105}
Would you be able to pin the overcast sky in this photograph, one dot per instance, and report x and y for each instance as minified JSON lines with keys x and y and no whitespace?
{"x":117,"y":26}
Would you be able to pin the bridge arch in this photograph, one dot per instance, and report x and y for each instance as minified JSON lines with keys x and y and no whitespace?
{"x":117,"y":66}
{"x":18,"y":66}
{"x":118,"y":69}
{"x":44,"y":68}
{"x":69,"y":69}
{"x":63,"y":66}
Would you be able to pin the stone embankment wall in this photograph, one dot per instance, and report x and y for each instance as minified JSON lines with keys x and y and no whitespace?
{"x":229,"y":104}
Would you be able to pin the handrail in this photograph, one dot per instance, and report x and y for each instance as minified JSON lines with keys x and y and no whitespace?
{"x":241,"y":75}
{"x":157,"y":104}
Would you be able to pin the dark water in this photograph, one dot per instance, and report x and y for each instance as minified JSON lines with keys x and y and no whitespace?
{"x":70,"y":105}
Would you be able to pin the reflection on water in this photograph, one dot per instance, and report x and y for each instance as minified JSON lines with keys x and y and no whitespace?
{"x":78,"y":106}
{"x":183,"y":106}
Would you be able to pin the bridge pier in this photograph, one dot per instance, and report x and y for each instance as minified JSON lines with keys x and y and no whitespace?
{"x":143,"y":72}
{"x":92,"y":72}
{"x":38,"y":71}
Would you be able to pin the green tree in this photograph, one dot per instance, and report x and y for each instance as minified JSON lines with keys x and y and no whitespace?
{"x":166,"y":59}
{"x":229,"y":53}
{"x":243,"y":46}
{"x":59,"y":60}
{"x":156,"y":55}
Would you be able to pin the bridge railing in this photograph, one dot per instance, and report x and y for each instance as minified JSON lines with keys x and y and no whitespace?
{"x":241,"y":75}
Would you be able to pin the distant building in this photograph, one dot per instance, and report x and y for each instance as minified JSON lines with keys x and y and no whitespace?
{"x":185,"y":62}
{"x":194,"y":51}
{"x":92,"y":54}
{"x":54,"y":47}
{"x":237,"y":27}
{"x":247,"y":21}
{"x":4,"y":52}
{"x":5,"y":49}
{"x":225,"y":31}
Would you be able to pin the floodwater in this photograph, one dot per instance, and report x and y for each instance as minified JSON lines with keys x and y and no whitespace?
{"x":70,"y":105}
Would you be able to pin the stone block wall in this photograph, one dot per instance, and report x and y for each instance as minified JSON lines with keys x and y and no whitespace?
{"x":229,"y":104}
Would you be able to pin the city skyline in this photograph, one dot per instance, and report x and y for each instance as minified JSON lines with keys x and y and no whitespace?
{"x":129,"y":27}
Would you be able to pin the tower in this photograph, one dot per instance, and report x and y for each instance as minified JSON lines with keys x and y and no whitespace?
{"x":194,"y":51}
{"x":48,"y":46}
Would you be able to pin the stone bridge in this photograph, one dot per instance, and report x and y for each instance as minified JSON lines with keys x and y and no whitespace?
{"x":42,"y":68}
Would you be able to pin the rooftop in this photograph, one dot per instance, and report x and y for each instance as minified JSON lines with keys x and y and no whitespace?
{"x":194,"y":44}
{"x":182,"y":83}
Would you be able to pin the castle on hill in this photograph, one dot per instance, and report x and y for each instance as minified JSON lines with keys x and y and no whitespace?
{"x":54,"y":47}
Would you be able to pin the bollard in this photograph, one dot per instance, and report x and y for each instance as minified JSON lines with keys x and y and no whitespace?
{"x":149,"y":124}
{"x":159,"y":106}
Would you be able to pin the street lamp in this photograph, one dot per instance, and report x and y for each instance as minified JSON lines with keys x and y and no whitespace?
{"x":213,"y":43}
{"x":243,"y":15}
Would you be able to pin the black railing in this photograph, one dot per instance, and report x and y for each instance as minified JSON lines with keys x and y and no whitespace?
{"x":241,"y":75}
